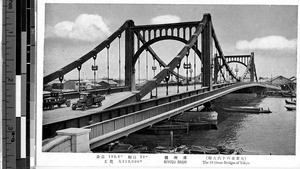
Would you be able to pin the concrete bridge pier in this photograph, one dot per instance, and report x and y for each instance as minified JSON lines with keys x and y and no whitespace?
{"x":207,"y":106}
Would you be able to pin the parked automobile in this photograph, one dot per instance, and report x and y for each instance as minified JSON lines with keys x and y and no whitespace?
{"x":55,"y":99}
{"x":87,"y":100}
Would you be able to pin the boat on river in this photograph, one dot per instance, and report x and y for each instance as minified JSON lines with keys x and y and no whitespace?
{"x":290,"y":107}
{"x":203,"y":120}
{"x":247,"y":109}
{"x":292,"y":102}
{"x":162,"y":128}
{"x":195,"y":124}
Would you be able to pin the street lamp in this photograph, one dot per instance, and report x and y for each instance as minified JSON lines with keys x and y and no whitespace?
{"x":236,"y":70}
{"x":94,"y":68}
{"x":153,"y":68}
{"x":187,"y":66}
{"x":167,"y":78}
{"x":191,"y":72}
{"x":178,"y":66}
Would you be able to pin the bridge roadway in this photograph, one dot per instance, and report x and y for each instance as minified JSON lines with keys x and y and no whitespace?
{"x":66,"y":113}
{"x":109,"y":130}
{"x":65,"y":117}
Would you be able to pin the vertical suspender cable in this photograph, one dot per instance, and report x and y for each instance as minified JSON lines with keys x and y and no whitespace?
{"x":108,"y":64}
{"x":119,"y":58}
{"x":187,"y":73}
{"x":139,"y":64}
{"x":178,"y":66}
{"x":139,"y":69}
{"x":94,"y":72}
{"x":79,"y":68}
{"x":195,"y":66}
{"x":147,"y":64}
{"x":154,"y":67}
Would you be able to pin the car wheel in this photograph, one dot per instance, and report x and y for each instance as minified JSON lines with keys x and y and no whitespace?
{"x":99,"y":104}
{"x":68,"y":104}
{"x":83,"y":107}
{"x":59,"y":105}
{"x":74,"y":107}
{"x":51,"y":107}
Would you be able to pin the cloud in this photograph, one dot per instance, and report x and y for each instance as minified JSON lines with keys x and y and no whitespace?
{"x":165,"y":19}
{"x":269,"y":42}
{"x":86,"y":27}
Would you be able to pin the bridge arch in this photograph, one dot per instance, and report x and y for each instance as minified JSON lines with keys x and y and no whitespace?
{"x":161,"y":38}
{"x":235,"y":61}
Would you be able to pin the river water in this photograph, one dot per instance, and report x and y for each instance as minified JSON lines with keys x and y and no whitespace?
{"x":273,"y":133}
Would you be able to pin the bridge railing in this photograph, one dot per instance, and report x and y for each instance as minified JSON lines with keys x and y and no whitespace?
{"x":74,"y":94}
{"x":124,"y":121}
{"x":60,"y":143}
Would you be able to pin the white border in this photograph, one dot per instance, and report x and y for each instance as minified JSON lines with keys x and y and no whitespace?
{"x":62,"y":160}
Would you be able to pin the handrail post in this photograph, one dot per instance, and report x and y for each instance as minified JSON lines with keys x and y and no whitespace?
{"x":79,"y":139}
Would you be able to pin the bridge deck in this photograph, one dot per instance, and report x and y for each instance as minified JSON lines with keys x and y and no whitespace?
{"x":112,"y":129}
{"x":65,"y":113}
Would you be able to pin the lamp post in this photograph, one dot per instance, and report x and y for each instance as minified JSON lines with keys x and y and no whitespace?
{"x":94,"y":68}
{"x":178,"y":66}
{"x":236,"y":70}
{"x":167,"y":78}
{"x":191,"y":71}
{"x":153,"y":68}
{"x":61,"y":78}
{"x":187,"y":66}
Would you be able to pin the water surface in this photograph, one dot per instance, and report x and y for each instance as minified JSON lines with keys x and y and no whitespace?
{"x":273,"y":133}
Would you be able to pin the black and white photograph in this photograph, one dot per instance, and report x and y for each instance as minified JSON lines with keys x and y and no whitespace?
{"x":171,"y":84}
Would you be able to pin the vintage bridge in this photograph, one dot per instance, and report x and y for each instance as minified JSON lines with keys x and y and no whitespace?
{"x":132,"y":112}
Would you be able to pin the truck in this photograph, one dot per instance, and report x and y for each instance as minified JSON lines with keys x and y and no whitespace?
{"x":55,"y":98}
{"x":87,"y":100}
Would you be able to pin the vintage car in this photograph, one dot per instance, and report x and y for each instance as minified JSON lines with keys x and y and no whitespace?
{"x":54,"y":99}
{"x":87,"y":100}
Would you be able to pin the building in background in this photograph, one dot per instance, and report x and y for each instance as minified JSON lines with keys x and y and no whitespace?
{"x":286,"y":84}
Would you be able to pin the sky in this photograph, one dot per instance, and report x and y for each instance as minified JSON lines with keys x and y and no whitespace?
{"x":72,"y":30}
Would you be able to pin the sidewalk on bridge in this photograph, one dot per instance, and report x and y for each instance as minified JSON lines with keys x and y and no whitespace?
{"x":65,"y":113}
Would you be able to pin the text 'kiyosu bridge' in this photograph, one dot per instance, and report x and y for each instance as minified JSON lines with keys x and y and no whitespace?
{"x":130,"y":115}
